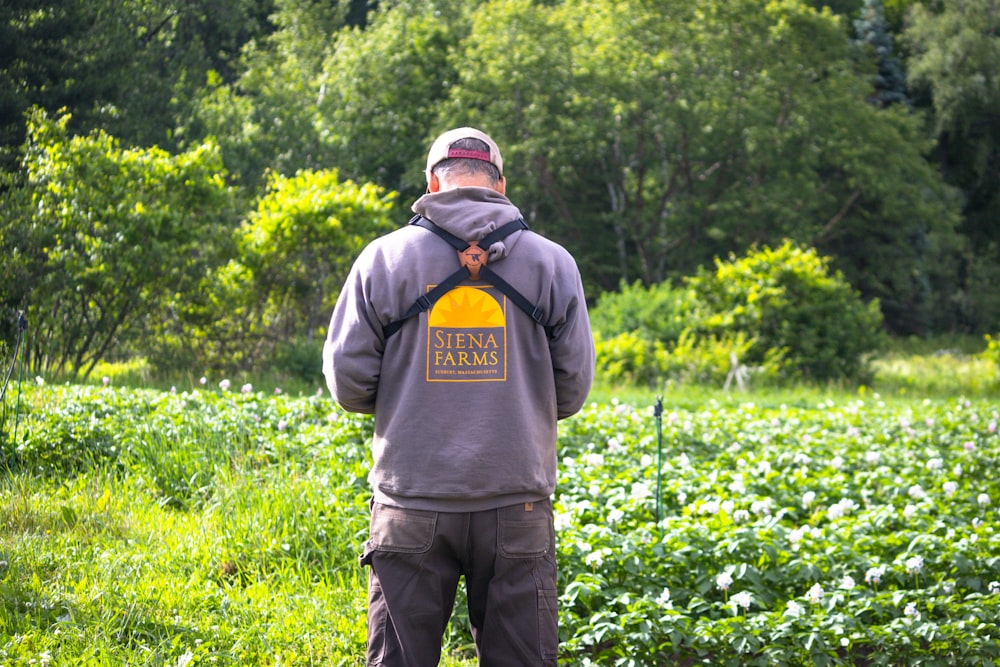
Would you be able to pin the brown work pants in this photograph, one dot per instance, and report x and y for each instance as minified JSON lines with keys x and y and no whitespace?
{"x":507,"y":557}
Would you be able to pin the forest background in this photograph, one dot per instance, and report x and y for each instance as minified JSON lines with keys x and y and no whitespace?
{"x":188,"y":182}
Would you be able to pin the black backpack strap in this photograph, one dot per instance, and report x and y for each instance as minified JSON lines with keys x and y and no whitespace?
{"x":425,"y":301}
{"x":533,"y":311}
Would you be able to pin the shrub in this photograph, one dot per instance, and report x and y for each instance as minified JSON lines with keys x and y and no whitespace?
{"x":629,"y":358}
{"x":787,"y":299}
{"x":658,"y":312}
{"x":992,"y":353}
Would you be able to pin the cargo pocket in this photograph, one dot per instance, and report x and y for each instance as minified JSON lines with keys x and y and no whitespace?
{"x":399,"y":530}
{"x":548,"y":626}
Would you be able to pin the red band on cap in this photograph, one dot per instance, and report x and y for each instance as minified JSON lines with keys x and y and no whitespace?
{"x":472,"y":155}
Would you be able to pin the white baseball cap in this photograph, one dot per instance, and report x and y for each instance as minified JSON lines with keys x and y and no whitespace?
{"x":442,"y":150}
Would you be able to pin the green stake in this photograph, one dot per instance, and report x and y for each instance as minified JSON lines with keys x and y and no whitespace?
{"x":658,"y":413}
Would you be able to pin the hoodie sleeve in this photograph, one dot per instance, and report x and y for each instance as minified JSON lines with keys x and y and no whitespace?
{"x":352,"y":353}
{"x":572,"y":350}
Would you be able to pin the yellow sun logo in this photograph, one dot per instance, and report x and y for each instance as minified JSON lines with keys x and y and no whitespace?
{"x":466,"y":307}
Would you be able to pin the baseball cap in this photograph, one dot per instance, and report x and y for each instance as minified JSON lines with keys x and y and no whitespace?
{"x":441,"y":148}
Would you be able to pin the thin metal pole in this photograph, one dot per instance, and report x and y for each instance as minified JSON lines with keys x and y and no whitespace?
{"x":658,"y":413}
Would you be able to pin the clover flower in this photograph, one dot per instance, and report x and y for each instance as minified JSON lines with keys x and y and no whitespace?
{"x":969,"y":446}
{"x":203,"y":381}
{"x":247,"y":388}
{"x":224,"y":385}
{"x":106,"y":380}
{"x":917,"y":492}
{"x":815,"y":594}
{"x":950,"y":487}
{"x":724,"y":581}
{"x":872,"y":457}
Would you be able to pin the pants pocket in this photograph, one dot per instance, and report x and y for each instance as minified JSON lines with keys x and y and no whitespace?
{"x":399,"y":530}
{"x":527,"y":531}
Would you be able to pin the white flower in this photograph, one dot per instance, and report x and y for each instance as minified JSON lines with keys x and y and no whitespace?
{"x":761,"y":506}
{"x":741,"y":516}
{"x":916,"y":492}
{"x":847,"y":582}
{"x":224,"y":385}
{"x":615,"y":515}
{"x":815,"y":594}
{"x":743,"y":600}
{"x":983,"y":499}
{"x":39,"y":380}
{"x":914,"y":564}
{"x":203,"y":380}
{"x":935,"y":464}
{"x":278,"y":391}
{"x":614,"y":445}
{"x":646,"y":461}
{"x":724,"y":581}
{"x":282,"y":425}
{"x":909,"y":511}
{"x":839,"y":509}
{"x":793,"y":609}
{"x":710,"y":507}
{"x":247,"y":388}
{"x":641,"y":490}
{"x":106,"y":380}
{"x":593,"y":459}
{"x":808,"y":498}
{"x":969,"y":446}
{"x":663,"y":599}
{"x":911,"y":611}
{"x":837,"y":462}
{"x":872,"y":457}
{"x":950,"y":487}
{"x":994,"y":587}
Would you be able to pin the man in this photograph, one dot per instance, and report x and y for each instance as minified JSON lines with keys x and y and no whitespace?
{"x":466,"y":395}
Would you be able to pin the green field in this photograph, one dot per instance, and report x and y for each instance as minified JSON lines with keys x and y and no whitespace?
{"x":222,"y":527}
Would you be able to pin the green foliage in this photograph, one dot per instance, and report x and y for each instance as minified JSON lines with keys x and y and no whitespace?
{"x":992,"y":354}
{"x":786,"y":299}
{"x":629,"y":358}
{"x":303,"y":237}
{"x":223,"y":526}
{"x":113,"y":234}
{"x":658,"y":312}
{"x":292,"y":255}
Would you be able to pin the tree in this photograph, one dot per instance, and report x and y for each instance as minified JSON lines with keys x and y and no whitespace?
{"x":127,"y":67}
{"x":677,"y":132}
{"x":113,"y":233}
{"x":955,"y":63}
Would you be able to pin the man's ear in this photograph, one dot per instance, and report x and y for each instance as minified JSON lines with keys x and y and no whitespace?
{"x":502,"y":186}
{"x":434,"y":184}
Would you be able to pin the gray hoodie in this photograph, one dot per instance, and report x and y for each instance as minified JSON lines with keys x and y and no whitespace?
{"x":466,"y":395}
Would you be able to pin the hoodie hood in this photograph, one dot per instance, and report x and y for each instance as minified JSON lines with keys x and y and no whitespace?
{"x":470,"y":213}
